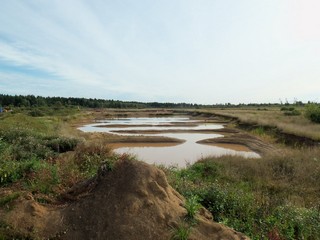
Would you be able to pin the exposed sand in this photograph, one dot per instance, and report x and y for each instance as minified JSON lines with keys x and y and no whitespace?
{"x":236,"y":147}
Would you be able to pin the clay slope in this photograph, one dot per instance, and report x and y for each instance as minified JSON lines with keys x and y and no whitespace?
{"x":133,"y":201}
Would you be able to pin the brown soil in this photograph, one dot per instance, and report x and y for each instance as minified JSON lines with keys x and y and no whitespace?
{"x":133,"y":201}
{"x":252,"y":142}
{"x":236,"y":147}
{"x":147,"y":125}
{"x":157,"y":144}
{"x":222,"y":131}
{"x":112,"y":138}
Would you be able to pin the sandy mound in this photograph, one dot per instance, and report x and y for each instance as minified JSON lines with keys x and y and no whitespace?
{"x":133,"y":201}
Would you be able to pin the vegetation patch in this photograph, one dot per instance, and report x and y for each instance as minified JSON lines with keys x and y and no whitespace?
{"x":181,"y":232}
{"x":313,"y":112}
{"x":192,"y":206}
{"x":262,"y":197}
{"x":9,"y":198}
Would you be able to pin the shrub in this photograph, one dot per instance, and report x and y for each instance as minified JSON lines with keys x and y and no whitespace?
{"x":287,"y":109}
{"x":294,"y":223}
{"x":26,"y":144}
{"x":61,"y":144}
{"x":294,"y":112}
{"x":36,"y":113}
{"x":313,"y":112}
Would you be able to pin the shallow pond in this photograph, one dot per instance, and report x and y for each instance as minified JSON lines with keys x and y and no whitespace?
{"x":177,"y":154}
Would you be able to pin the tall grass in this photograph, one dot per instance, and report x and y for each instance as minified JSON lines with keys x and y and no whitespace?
{"x":291,"y":123}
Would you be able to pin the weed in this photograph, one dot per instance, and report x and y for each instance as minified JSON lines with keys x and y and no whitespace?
{"x":181,"y":232}
{"x":259,"y":131}
{"x":89,"y":158}
{"x":9,"y":198}
{"x":192,"y":205}
{"x":45,"y":179}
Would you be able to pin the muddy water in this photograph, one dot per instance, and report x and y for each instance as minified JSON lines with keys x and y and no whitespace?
{"x":168,"y":153}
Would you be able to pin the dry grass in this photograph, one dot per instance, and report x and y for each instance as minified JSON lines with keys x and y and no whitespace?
{"x":291,"y":176}
{"x":297,"y":125}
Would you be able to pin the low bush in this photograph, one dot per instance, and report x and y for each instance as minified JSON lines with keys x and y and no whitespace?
{"x":61,"y":144}
{"x":312,"y":112}
{"x":294,"y":112}
{"x":25,"y":144}
{"x":287,"y":109}
{"x":25,"y":154}
{"x":36,"y":113}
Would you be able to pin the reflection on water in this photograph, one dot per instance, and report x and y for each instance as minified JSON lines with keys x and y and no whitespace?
{"x":168,"y":153}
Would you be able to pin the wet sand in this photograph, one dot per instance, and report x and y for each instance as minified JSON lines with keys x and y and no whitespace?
{"x":141,"y":144}
{"x":220,"y":131}
{"x":232,"y":146}
{"x":253,"y":143}
{"x":171,"y":140}
{"x":147,"y":125}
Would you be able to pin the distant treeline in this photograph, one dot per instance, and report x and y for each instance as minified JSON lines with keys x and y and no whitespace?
{"x":38,"y":101}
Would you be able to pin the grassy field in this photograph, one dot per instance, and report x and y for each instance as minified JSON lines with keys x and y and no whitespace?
{"x":274,"y":197}
{"x":289,"y":121}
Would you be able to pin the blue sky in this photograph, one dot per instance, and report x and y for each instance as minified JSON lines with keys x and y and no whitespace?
{"x":195,"y":51}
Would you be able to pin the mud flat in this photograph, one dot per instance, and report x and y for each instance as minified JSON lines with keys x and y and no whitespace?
{"x":221,"y":131}
{"x":243,"y":139}
{"x":175,"y":140}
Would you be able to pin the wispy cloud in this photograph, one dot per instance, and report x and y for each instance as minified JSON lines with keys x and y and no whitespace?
{"x":204,"y":51}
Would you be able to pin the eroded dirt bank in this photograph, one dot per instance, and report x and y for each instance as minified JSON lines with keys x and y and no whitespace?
{"x":253,"y":143}
{"x":132,"y":201}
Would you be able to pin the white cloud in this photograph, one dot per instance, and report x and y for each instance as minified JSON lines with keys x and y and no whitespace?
{"x":205,"y":51}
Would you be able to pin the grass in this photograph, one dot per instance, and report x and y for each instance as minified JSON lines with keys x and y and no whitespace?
{"x":9,"y":198}
{"x":292,"y":123}
{"x":181,"y":232}
{"x":274,"y":195}
{"x":192,"y":206}
{"x":36,"y":158}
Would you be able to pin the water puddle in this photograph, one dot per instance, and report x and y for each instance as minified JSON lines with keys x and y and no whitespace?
{"x":168,"y":154}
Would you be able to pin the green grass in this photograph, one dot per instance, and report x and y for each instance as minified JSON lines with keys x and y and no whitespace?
{"x":181,"y":232}
{"x":313,"y":112}
{"x":31,"y":156}
{"x":264,"y":198}
{"x":192,"y":206}
{"x":274,"y":195}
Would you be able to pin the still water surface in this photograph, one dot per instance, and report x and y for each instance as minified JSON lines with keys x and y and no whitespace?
{"x":168,"y":154}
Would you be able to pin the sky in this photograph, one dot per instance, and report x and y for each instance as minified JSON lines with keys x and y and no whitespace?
{"x":194,"y":51}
